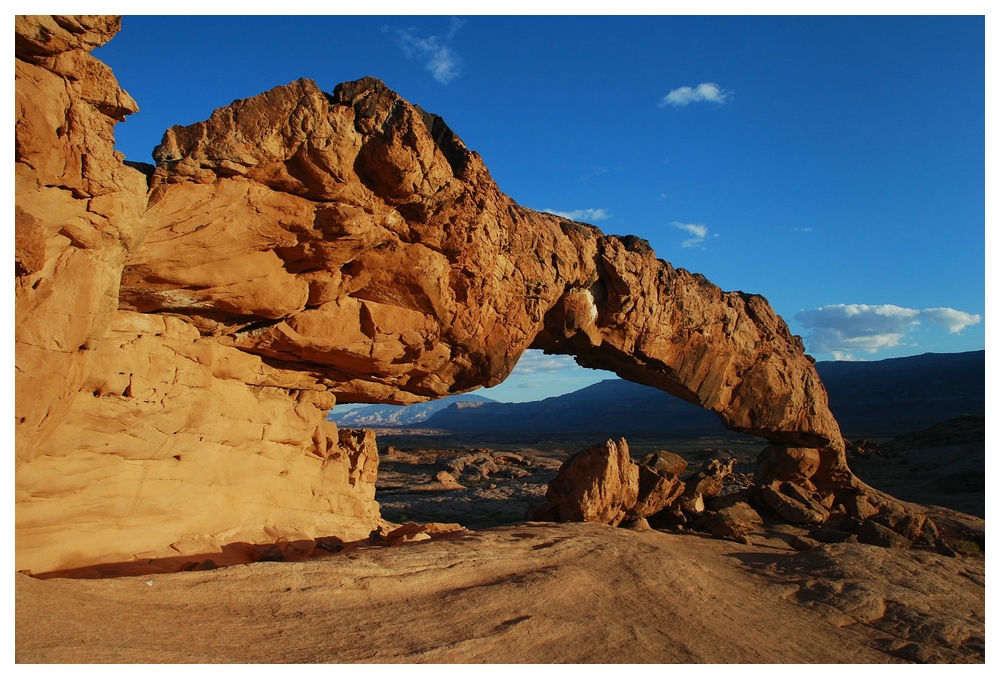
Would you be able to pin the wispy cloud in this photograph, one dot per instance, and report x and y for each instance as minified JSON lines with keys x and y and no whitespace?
{"x":438,"y":56}
{"x":454,"y":27}
{"x":840,"y":329}
{"x":590,"y":214}
{"x":534,"y":361}
{"x":682,"y":96}
{"x":698,"y":234}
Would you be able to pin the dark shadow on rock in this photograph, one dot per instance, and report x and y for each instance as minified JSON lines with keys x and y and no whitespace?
{"x":235,"y":554}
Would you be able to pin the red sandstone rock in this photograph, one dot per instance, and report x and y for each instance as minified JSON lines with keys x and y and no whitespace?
{"x":599,"y":484}
{"x":794,"y":503}
{"x":665,"y":461}
{"x":699,"y":487}
{"x":657,"y":490}
{"x":137,"y":438}
{"x":603,"y":485}
{"x":77,"y":214}
{"x":177,"y":351}
{"x":736,"y":521}
{"x":784,"y":463}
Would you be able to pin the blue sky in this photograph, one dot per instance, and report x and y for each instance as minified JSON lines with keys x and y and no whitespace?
{"x":834,"y":165}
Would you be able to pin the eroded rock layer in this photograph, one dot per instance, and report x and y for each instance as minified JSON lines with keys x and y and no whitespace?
{"x":178,"y":348}
{"x":137,"y":438}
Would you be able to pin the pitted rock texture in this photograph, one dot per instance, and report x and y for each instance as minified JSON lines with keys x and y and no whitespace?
{"x":77,"y":213}
{"x":177,"y":350}
{"x":136,"y":438}
{"x":355,"y":236}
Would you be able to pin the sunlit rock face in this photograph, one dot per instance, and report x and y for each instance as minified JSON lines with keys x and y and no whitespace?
{"x":136,"y":437}
{"x":179,"y":347}
{"x":354,"y":236}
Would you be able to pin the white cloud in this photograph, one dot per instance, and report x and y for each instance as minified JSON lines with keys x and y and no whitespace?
{"x":534,"y":361}
{"x":839,"y":329}
{"x":950,"y":319}
{"x":682,"y":96}
{"x":590,"y":214}
{"x":698,"y":233}
{"x":443,"y":64}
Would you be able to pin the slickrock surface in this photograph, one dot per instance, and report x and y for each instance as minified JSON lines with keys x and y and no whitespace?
{"x":537,"y":593}
{"x":178,"y":349}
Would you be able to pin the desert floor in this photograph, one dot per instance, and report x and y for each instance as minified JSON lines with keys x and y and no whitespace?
{"x":504,"y":591}
{"x":533,"y":593}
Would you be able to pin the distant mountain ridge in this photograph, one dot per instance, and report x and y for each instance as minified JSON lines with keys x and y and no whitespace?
{"x":615,"y":404}
{"x":869,"y":398}
{"x":399,"y":416}
{"x":899,"y":395}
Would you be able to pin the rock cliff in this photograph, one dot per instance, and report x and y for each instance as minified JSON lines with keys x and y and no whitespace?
{"x":181,"y":336}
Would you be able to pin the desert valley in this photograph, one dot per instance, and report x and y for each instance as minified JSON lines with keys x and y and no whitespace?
{"x":191,"y":487}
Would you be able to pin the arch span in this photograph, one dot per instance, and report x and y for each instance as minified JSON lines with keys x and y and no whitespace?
{"x":295,"y":250}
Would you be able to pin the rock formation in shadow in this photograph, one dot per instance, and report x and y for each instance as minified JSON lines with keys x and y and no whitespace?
{"x":181,"y":335}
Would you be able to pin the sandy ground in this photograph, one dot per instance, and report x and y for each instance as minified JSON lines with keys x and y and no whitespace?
{"x":534,"y":593}
{"x":513,"y":592}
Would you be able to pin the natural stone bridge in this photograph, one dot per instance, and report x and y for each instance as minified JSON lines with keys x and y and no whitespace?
{"x":182,"y":332}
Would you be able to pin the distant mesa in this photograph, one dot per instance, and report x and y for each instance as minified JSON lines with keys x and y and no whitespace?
{"x":180,"y":337}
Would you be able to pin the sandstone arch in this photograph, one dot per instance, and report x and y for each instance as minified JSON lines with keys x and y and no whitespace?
{"x":296,"y":250}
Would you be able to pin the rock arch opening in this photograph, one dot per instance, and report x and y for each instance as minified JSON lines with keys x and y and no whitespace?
{"x":182,"y":335}
{"x":486,"y":463}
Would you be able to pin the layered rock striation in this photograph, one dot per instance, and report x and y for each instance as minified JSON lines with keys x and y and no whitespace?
{"x":181,"y":335}
{"x":137,"y":438}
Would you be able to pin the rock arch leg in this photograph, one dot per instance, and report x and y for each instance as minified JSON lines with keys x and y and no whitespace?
{"x":728,"y":352}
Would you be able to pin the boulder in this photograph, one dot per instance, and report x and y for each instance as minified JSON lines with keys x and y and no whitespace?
{"x":735,"y":521}
{"x":657,"y":490}
{"x":832,"y":535}
{"x":442,"y":481}
{"x":858,"y":507}
{"x":794,"y":503}
{"x":701,"y":486}
{"x":708,"y":482}
{"x":786,"y":463}
{"x":803,"y":544}
{"x":598,"y":484}
{"x":665,"y":461}
{"x":874,"y":533}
